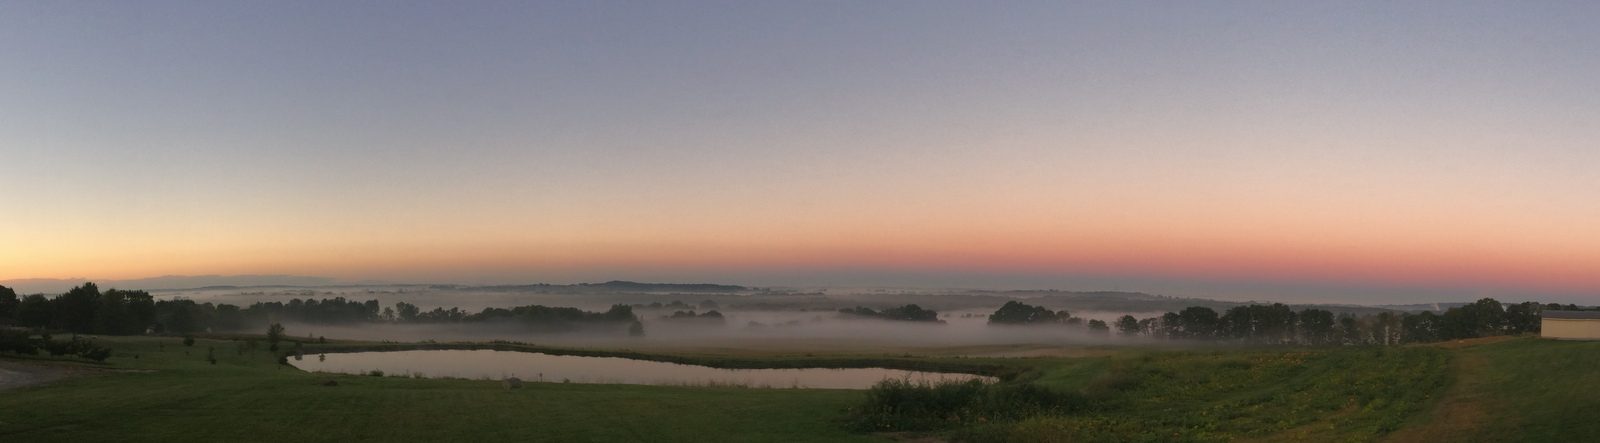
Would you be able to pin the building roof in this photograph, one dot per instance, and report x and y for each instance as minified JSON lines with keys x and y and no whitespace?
{"x":1573,"y":315}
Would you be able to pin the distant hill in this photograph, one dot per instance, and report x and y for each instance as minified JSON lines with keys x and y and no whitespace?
{"x":56,"y":285}
{"x":617,"y":286}
{"x":1418,"y":307}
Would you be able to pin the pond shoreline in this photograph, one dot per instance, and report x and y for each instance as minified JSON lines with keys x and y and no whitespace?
{"x":487,"y":364}
{"x":1000,"y":372}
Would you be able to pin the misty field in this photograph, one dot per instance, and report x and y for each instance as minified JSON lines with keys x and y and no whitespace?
{"x":158,"y":389}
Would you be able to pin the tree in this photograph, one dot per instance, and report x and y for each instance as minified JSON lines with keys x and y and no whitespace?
{"x":75,"y":310}
{"x":112,"y":316}
{"x":35,"y":311}
{"x":8,"y":304}
{"x":910,"y":313}
{"x":1277,"y":323}
{"x":274,"y":334}
{"x":1151,"y":327}
{"x":1127,"y":325}
{"x":1387,"y":328}
{"x":141,"y":311}
{"x":1170,"y":325}
{"x":178,"y":315}
{"x":1422,"y":327}
{"x":228,"y":318}
{"x":1350,"y":332}
{"x":1099,"y":327}
{"x":1198,"y":322}
{"x":1484,"y":317}
{"x":406,"y":311}
{"x":1018,"y":313}
{"x":636,"y":329}
{"x":1520,"y":318}
{"x":1317,"y":326}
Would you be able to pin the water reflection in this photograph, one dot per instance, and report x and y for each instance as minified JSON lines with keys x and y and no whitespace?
{"x":480,"y":364}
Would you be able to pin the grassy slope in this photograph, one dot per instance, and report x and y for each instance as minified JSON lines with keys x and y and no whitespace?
{"x":1509,"y":390}
{"x":1541,"y":390}
{"x":1505,"y":389}
{"x":1522,"y":389}
{"x":247,"y":397}
{"x":1220,"y":395}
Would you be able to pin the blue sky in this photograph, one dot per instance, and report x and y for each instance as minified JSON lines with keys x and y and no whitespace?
{"x":1434,"y":147}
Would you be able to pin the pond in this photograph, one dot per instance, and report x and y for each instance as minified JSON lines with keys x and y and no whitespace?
{"x":534,"y":367}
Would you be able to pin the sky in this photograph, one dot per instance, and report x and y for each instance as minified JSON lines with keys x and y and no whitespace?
{"x":1356,"y":152}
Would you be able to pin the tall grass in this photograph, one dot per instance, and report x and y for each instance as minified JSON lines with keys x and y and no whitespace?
{"x":1324,"y":394}
{"x":906,"y":405}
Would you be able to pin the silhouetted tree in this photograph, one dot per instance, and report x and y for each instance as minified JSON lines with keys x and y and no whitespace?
{"x":903,"y":313}
{"x":1317,"y":326}
{"x":1198,"y":322}
{"x":1127,"y":325}
{"x":1484,"y":317}
{"x":1018,"y":313}
{"x":75,"y":310}
{"x":1349,"y":330}
{"x":1421,"y":327}
{"x":1523,"y":317}
{"x":8,"y":305}
{"x":274,"y":334}
{"x":1099,"y":327}
{"x":35,"y":311}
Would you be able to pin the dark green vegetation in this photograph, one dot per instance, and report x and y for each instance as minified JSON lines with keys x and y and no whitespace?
{"x":1018,"y":313}
{"x":902,"y":313}
{"x":1278,"y":324}
{"x":1504,"y":389}
{"x":1517,"y":390}
{"x":248,"y":397}
{"x":87,"y":310}
{"x":711,"y":317}
{"x":1339,"y":394}
{"x":22,"y":343}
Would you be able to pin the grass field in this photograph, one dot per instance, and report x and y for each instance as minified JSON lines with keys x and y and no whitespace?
{"x":1506,"y":390}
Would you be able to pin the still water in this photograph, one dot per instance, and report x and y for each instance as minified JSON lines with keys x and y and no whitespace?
{"x":535,"y":367}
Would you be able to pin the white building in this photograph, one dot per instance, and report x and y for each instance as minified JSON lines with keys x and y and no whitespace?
{"x":1571,"y":325}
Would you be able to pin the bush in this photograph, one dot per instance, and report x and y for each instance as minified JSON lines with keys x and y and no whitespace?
{"x":22,"y":343}
{"x":97,"y":353}
{"x":905,"y":405}
{"x":19,"y":342}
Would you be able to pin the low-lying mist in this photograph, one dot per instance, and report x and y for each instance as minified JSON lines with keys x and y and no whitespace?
{"x":742,"y":329}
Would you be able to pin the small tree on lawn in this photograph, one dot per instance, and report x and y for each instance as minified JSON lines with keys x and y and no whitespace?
{"x":274,"y":334}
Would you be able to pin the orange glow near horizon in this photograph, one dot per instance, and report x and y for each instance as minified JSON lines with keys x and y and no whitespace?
{"x":1103,"y":247}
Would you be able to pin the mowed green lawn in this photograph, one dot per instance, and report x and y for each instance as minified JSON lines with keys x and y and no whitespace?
{"x":249,"y":398}
{"x":1269,"y":394}
{"x":1521,"y":389}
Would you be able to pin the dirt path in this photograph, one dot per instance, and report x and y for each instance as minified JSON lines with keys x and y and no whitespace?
{"x":1462,"y":409}
{"x":20,"y":373}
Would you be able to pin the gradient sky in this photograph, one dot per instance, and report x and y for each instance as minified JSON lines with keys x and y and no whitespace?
{"x":1331,"y":151}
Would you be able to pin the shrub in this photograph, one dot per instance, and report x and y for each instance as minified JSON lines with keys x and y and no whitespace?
{"x":18,"y":342}
{"x":905,"y":405}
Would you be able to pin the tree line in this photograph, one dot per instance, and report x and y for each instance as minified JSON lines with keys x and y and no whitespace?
{"x":1279,"y":324}
{"x":88,"y":310}
{"x":902,"y":313}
